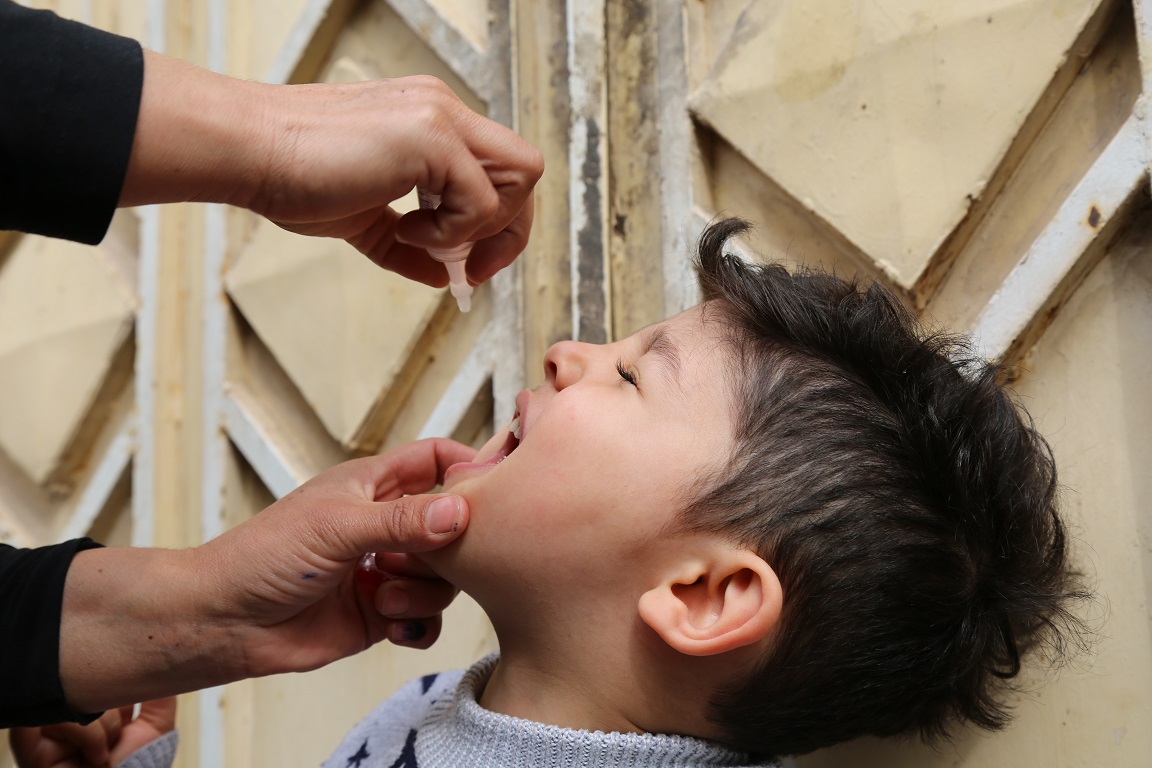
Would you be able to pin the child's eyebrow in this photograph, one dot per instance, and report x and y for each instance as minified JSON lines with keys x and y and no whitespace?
{"x":661,"y":344}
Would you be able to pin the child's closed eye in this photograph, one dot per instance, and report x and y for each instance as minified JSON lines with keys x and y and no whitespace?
{"x":625,"y":374}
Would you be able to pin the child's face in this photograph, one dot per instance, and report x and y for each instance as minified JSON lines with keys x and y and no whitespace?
{"x":603,"y":462}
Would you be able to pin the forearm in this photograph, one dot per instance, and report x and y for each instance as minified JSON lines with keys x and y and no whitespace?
{"x":200,"y":137}
{"x":133,"y":628}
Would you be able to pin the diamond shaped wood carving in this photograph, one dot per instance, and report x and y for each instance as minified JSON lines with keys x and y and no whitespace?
{"x":340,"y":326}
{"x":64,"y":312}
{"x":879,"y":117}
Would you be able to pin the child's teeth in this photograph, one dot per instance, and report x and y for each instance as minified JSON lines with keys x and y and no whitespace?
{"x":514,"y":427}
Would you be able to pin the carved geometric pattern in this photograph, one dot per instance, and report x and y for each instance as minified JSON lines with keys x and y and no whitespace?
{"x":340,"y":326}
{"x":64,"y":312}
{"x":877,"y":117}
{"x":313,"y":353}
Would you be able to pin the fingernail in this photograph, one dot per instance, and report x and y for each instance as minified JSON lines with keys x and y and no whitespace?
{"x":409,"y":632}
{"x":393,"y":602}
{"x":443,"y":515}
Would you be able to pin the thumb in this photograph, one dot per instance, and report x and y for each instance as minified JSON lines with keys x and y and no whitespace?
{"x":408,"y":524}
{"x":156,"y":718}
{"x":159,"y":713}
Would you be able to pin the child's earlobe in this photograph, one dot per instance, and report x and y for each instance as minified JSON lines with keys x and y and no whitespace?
{"x":714,"y":606}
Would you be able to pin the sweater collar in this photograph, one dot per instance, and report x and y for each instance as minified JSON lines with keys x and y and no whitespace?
{"x":461,"y":732}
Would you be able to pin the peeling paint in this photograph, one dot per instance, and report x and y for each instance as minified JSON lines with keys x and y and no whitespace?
{"x":590,"y":241}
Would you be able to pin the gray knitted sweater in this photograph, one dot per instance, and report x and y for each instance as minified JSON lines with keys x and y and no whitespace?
{"x":435,"y":722}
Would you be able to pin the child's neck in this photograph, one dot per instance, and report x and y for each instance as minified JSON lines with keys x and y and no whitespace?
{"x":597,"y":683}
{"x":558,"y":694}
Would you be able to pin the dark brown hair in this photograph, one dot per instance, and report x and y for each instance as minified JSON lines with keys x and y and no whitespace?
{"x":906,"y":503}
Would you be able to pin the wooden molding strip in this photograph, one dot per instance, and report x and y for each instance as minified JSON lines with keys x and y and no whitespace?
{"x":1029,"y":288}
{"x":114,"y":462}
{"x":454,"y":49}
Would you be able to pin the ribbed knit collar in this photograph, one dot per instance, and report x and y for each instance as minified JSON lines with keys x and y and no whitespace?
{"x":459,"y":732}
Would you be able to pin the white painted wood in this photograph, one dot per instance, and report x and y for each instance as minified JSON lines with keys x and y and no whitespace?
{"x":210,"y":735}
{"x":1143,"y":11}
{"x":461,"y":392}
{"x":1111,"y":181}
{"x":217,"y":11}
{"x":453,"y":48}
{"x":508,"y":345}
{"x":143,"y":466}
{"x":215,"y":354}
{"x":157,"y":25}
{"x":259,"y":445}
{"x":298,"y":39}
{"x":96,"y":491}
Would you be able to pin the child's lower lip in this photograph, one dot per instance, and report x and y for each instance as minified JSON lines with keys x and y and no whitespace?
{"x":466,"y":467}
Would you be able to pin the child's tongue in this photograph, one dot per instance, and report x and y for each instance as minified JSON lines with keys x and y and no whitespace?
{"x":493,"y":451}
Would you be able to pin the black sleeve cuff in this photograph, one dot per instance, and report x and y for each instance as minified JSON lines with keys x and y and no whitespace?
{"x":69,"y":97}
{"x":31,"y":596}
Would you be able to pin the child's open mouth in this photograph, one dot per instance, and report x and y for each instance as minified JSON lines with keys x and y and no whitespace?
{"x":510,"y":444}
{"x":495,"y":450}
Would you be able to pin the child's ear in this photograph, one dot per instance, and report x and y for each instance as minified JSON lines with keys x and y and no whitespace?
{"x":714,"y":605}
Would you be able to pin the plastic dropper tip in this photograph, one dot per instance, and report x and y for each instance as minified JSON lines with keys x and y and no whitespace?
{"x":452,"y":258}
{"x":458,"y":284}
{"x":463,"y":297}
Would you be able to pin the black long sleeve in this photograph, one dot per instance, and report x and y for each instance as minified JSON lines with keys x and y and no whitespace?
{"x":31,"y":595}
{"x":69,"y":99}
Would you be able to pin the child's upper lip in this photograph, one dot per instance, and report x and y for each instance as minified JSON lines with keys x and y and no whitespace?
{"x":522,"y":409}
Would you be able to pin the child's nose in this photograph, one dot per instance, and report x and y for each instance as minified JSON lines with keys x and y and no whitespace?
{"x":565,"y":362}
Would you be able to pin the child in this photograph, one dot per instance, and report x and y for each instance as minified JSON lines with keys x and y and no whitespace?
{"x":777,"y":521}
{"x":780,"y":520}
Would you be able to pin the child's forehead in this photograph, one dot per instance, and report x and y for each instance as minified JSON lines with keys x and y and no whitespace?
{"x":683,"y":331}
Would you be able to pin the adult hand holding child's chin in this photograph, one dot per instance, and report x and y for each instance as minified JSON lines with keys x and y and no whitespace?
{"x":278,"y":593}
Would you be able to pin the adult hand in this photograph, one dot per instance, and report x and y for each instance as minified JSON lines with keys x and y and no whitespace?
{"x":297,"y":603}
{"x":328,"y":159}
{"x":107,"y":741}
{"x":278,"y":593}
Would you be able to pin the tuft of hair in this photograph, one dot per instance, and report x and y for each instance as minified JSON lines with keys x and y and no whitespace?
{"x":906,"y":503}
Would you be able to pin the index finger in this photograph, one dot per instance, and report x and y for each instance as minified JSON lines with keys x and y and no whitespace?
{"x":492,"y":254}
{"x":484,"y":185}
{"x":415,"y":467}
{"x":513,"y":167}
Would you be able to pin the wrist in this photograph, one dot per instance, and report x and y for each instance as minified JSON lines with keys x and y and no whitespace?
{"x":133,"y":628}
{"x":200,"y":137}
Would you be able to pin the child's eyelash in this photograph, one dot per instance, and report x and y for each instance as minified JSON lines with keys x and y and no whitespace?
{"x":625,"y":374}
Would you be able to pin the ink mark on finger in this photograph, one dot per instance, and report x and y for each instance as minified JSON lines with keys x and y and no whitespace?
{"x":311,"y":575}
{"x":415,"y":630}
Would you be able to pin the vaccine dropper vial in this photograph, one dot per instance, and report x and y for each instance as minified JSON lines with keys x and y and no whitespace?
{"x":453,"y":259}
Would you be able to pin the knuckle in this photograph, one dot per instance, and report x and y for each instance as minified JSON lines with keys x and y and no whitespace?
{"x":430,"y":82}
{"x":487,"y":204}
